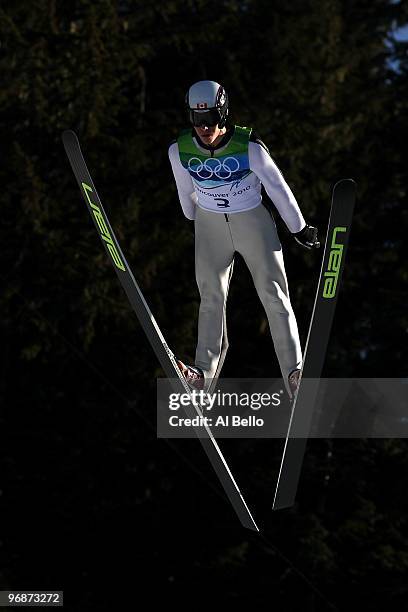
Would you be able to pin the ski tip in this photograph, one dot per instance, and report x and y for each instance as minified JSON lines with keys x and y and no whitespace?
{"x":282,"y":505}
{"x":345,"y":188}
{"x":246,"y":518}
{"x":252,"y":526}
{"x":346,"y":182}
{"x":69,"y":136}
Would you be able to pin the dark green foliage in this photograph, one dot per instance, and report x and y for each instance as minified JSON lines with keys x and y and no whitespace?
{"x":86,"y":483}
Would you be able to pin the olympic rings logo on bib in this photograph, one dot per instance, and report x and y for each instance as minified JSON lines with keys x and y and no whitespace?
{"x":213,"y":167}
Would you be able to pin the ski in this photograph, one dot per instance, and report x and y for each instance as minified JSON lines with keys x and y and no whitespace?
{"x":338,"y":233}
{"x":148,"y":322}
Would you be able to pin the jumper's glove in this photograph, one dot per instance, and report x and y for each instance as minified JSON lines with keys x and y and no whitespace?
{"x":307,"y":237}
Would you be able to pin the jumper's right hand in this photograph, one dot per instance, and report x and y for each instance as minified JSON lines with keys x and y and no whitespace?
{"x":307,"y":237}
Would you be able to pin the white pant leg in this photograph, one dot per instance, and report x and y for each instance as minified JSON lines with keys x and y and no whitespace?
{"x":255,"y":237}
{"x":214,"y":258}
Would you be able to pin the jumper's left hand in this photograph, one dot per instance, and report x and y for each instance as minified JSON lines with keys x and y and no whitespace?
{"x":307,"y":237}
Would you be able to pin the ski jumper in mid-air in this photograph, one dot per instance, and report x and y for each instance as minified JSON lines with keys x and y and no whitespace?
{"x":219,"y":169}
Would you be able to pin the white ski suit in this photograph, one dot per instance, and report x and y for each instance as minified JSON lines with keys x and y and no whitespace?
{"x":220,"y":189}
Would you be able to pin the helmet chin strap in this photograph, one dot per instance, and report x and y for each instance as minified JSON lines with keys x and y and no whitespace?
{"x":223,"y":121}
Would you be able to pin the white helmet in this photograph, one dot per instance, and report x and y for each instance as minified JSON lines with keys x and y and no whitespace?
{"x":207,"y":103}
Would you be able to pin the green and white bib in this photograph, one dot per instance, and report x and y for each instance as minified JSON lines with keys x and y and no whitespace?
{"x":222,"y":178}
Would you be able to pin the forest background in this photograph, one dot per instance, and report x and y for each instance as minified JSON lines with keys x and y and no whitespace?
{"x":92,"y":502}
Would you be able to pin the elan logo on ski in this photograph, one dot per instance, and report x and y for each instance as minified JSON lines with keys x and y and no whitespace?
{"x":331,"y":276}
{"x":301,"y":418}
{"x":105,"y":234}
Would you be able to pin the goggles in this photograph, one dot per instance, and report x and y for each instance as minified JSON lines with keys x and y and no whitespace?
{"x":207,"y":118}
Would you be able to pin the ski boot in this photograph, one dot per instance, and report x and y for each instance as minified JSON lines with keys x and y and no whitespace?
{"x":193,"y":375}
{"x":294,"y":379}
